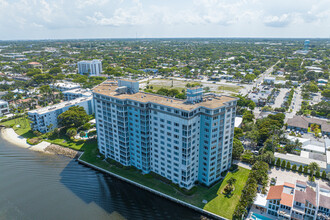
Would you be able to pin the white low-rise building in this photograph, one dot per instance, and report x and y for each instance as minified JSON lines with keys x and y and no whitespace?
{"x":45,"y":119}
{"x":4,"y":108}
{"x":269,"y":80}
{"x":76,"y":93}
{"x":64,"y":86}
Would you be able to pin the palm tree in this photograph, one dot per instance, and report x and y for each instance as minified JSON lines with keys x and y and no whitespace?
{"x":231,"y":181}
{"x":313,"y":167}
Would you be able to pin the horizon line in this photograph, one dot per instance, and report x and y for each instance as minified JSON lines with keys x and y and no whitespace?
{"x":150,"y":38}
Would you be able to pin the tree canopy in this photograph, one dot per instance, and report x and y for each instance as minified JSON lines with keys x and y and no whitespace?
{"x":75,"y":116}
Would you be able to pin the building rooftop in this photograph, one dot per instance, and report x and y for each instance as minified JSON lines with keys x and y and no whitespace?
{"x":210,"y":101}
{"x":67,"y":85}
{"x":275,"y":192}
{"x":300,"y":159}
{"x":311,"y":147}
{"x":303,"y":122}
{"x":3,"y":102}
{"x":309,"y":194}
{"x":86,"y":92}
{"x":282,"y":192}
{"x":60,"y":105}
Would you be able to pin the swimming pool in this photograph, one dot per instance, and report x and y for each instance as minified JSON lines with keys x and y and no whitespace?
{"x":259,"y":217}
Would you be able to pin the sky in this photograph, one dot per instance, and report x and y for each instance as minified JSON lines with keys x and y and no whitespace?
{"x":70,"y":19}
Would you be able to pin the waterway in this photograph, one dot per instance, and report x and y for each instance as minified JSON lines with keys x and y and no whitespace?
{"x":36,"y":186}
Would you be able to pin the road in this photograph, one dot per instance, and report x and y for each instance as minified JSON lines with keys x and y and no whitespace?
{"x":248,"y":88}
{"x":265,"y":74}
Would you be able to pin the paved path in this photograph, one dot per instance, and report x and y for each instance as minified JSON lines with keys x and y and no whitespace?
{"x":241,"y":164}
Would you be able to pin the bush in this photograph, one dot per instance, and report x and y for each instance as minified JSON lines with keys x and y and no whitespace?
{"x":283,"y":164}
{"x":71,"y":132}
{"x":288,"y":166}
{"x":272,"y":162}
{"x":37,"y":133}
{"x":294,"y":167}
{"x":86,"y":126}
{"x":324,"y":175}
{"x":91,"y":133}
{"x":33,"y":141}
{"x":300,"y":170}
{"x":233,"y":167}
{"x":305,"y":169}
{"x":278,"y":162}
{"x":317,"y":174}
{"x":82,"y":134}
{"x":228,"y":189}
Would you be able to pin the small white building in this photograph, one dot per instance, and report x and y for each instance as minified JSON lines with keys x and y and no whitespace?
{"x":77,"y":93}
{"x":92,"y":67}
{"x":64,"y":86}
{"x":4,"y":108}
{"x":269,"y":80}
{"x":45,"y":119}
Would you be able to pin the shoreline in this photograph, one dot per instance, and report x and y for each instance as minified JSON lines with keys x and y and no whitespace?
{"x":10,"y":136}
{"x":155,"y":192}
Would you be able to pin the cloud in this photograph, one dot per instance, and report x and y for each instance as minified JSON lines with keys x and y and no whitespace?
{"x":134,"y":15}
{"x":278,"y":21}
{"x":170,"y":17}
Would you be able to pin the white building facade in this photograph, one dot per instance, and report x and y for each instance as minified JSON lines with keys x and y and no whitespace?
{"x":45,"y":119}
{"x":92,"y":67}
{"x":4,"y":108}
{"x":183,"y":142}
{"x":76,"y":93}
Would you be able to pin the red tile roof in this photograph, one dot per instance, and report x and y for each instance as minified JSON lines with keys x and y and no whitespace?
{"x":275,"y":192}
{"x":302,"y":196}
{"x":289,"y":185}
{"x":286,"y":199}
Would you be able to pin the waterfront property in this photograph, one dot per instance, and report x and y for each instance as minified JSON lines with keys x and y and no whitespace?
{"x":45,"y":119}
{"x":92,"y":67}
{"x":182,"y":140}
{"x":209,"y":199}
{"x":76,"y":93}
{"x":301,"y":200}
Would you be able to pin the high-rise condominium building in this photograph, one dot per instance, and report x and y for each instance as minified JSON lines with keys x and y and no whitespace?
{"x":182,"y":140}
{"x":92,"y":67}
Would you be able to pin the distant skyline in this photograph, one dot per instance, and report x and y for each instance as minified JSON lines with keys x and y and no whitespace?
{"x":60,"y":19}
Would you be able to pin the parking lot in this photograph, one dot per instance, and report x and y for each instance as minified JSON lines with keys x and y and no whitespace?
{"x":284,"y":175}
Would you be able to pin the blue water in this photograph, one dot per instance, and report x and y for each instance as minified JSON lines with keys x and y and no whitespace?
{"x":36,"y":186}
{"x":259,"y":217}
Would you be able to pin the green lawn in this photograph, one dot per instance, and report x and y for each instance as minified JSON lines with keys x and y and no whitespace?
{"x":24,"y":128}
{"x":25,"y":131}
{"x":230,"y":88}
{"x":202,"y":193}
{"x":223,"y":205}
{"x":65,"y":141}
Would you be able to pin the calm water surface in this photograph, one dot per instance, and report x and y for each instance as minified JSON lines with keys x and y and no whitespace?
{"x":38,"y":186}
